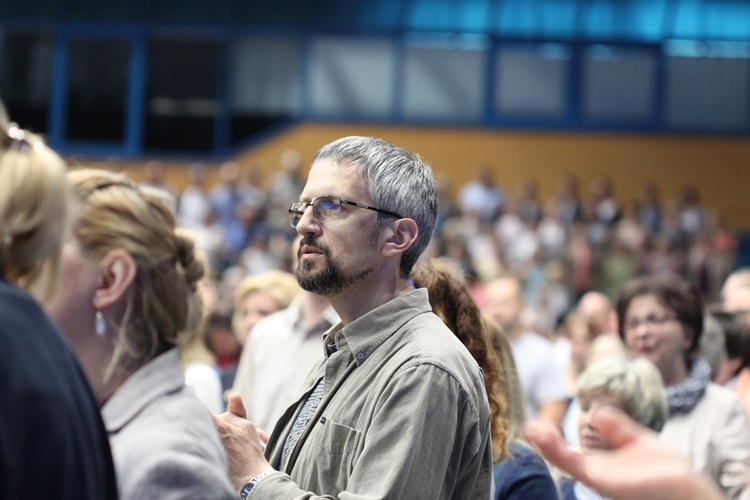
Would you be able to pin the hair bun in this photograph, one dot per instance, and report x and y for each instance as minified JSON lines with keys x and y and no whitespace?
{"x":188,"y":259}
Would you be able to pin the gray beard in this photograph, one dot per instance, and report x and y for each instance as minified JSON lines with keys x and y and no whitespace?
{"x":330,"y":280}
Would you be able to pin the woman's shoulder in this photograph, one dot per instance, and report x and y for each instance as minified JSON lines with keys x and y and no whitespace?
{"x":173,"y":435}
{"x":719,"y":401}
{"x":524,"y":474}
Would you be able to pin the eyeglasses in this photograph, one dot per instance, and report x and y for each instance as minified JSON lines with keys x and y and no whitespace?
{"x":328,"y":208}
{"x":650,"y":320}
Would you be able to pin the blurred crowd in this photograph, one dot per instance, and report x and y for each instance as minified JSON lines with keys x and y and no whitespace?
{"x":581,"y":238}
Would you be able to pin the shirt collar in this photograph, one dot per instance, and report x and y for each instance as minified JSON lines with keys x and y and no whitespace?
{"x":159,"y":376}
{"x":365,"y":334}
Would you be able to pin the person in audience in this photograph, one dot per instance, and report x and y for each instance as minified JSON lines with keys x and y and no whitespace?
{"x":730,"y":337}
{"x":648,"y":207}
{"x":482,"y":197}
{"x":286,"y":184}
{"x":661,"y":319}
{"x":598,"y":311}
{"x":128,"y":297}
{"x":193,"y":206}
{"x":542,"y":378}
{"x":221,"y":341}
{"x":735,"y":294}
{"x":635,"y":465}
{"x":52,"y":440}
{"x":712,"y":346}
{"x":259,"y":295}
{"x":735,"y":297}
{"x":601,"y":347}
{"x":201,"y":372}
{"x":581,"y":334}
{"x":566,"y":200}
{"x":397,"y":407}
{"x":523,"y":473}
{"x":631,"y":385}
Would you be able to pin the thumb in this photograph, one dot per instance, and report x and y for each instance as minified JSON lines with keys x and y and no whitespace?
{"x":235,"y":405}
{"x":263,"y":436}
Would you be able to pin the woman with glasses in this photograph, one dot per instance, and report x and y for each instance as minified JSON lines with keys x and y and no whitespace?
{"x":661,"y":318}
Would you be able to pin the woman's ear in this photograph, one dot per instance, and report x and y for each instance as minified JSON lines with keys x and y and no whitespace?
{"x":118,"y":271}
{"x":404,"y":234}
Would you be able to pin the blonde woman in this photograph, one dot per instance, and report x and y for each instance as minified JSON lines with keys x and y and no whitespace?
{"x":259,"y":295}
{"x":633,"y":386}
{"x":128,"y":295}
{"x":52,"y":441}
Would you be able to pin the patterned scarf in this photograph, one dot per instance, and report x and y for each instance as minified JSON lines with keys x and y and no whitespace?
{"x":684,"y":397}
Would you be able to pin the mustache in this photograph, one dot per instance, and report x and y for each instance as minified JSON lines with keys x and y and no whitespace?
{"x":311,"y":242}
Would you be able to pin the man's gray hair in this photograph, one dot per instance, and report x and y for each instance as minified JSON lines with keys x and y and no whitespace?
{"x":397,"y":180}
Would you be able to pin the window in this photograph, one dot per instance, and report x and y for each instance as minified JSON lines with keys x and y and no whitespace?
{"x":97,"y":86}
{"x":25,"y":77}
{"x":181,"y":104}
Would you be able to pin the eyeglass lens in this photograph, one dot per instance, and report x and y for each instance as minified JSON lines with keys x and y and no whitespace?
{"x":324,"y":208}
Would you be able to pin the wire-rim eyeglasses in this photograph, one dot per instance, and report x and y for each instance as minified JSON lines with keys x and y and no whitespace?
{"x":327,"y":208}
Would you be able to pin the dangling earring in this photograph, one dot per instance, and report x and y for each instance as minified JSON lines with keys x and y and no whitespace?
{"x":101,"y":326}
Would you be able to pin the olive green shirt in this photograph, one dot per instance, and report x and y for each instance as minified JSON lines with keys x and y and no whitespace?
{"x":404,"y":414}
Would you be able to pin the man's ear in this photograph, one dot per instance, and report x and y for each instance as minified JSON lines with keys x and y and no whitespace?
{"x":118,"y":271}
{"x":404,"y":234}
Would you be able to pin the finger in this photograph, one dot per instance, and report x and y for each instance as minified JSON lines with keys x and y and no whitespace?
{"x":617,"y":429}
{"x":548,"y":440}
{"x":235,"y":405}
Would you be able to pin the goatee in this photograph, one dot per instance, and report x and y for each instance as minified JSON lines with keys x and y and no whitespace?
{"x":331,"y":279}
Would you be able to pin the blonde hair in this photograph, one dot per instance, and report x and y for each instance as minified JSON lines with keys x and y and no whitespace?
{"x":635,"y":383}
{"x":162,"y":304}
{"x":34,"y":200}
{"x":282,"y":286}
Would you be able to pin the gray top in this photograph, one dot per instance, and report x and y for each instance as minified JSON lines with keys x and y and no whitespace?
{"x":163,"y":440}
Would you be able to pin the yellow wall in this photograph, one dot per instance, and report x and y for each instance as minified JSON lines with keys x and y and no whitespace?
{"x":717,"y":166}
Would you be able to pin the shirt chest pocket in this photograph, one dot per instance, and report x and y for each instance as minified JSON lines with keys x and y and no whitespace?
{"x":340,"y":443}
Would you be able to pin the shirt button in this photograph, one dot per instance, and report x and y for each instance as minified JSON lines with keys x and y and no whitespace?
{"x":360,"y":356}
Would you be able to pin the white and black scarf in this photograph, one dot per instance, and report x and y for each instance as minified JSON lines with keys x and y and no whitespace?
{"x":683,"y":397}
